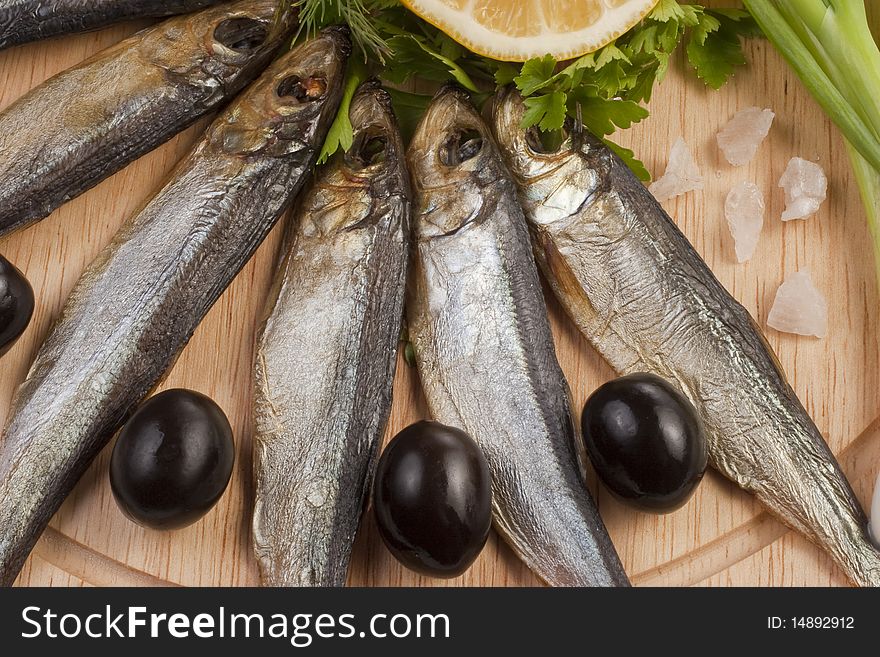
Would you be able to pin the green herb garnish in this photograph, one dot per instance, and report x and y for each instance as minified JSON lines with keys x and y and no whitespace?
{"x":607,"y":87}
{"x":341,"y":133}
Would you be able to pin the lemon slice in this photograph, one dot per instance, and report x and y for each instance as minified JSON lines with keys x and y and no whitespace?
{"x":517,"y":30}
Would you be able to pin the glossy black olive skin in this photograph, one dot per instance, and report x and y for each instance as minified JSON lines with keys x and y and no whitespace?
{"x":646,"y":442}
{"x":432,"y":499}
{"x":16,"y":304}
{"x":172,"y":460}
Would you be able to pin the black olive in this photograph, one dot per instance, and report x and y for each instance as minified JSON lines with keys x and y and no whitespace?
{"x":16,"y":304}
{"x":172,"y":460}
{"x":432,"y":499}
{"x":646,"y":442}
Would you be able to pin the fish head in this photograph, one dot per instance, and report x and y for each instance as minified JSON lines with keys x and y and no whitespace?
{"x":454,"y":165}
{"x":369,"y":182}
{"x":376,"y":141}
{"x":228,"y":45}
{"x":289,"y":108}
{"x":552,"y":182}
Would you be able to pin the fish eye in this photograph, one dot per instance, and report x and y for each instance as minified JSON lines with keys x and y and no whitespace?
{"x":368,"y":150}
{"x":241,"y":34}
{"x":303,"y":89}
{"x":460,"y":147}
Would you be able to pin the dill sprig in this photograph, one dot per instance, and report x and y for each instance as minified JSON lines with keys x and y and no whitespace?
{"x":361,"y":16}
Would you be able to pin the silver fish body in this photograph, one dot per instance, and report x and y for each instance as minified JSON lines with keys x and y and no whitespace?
{"x":646,"y":300}
{"x":326,"y":354}
{"x":22,"y":21}
{"x":86,"y":123}
{"x":482,"y":340}
{"x":136,"y":306}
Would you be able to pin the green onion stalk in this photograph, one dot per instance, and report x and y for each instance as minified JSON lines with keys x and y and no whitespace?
{"x":830,"y":46}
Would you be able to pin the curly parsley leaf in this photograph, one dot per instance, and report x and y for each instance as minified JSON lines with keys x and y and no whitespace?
{"x":670,"y":11}
{"x":547,"y":111}
{"x":603,"y":116}
{"x":608,"y":86}
{"x":629,"y":159}
{"x":714,"y":48}
{"x":536,"y":74}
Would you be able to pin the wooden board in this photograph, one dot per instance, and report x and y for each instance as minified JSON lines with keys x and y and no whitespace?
{"x":720,"y":537}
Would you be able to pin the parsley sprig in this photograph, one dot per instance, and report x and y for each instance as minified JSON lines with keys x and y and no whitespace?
{"x":608,"y":88}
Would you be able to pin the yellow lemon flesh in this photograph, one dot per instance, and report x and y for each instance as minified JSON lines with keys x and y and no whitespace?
{"x":517,"y":30}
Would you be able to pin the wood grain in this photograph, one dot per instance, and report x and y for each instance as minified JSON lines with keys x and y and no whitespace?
{"x":721,"y":537}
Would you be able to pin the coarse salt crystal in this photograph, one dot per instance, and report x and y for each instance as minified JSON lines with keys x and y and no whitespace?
{"x":740,"y":138}
{"x":744,"y":211}
{"x":682,"y":174}
{"x":799,"y":307}
{"x":805,"y":187}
